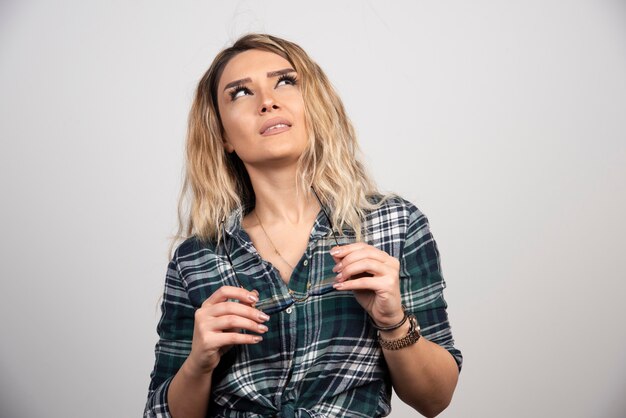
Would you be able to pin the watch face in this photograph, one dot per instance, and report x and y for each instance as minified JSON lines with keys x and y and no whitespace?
{"x":415,"y":328}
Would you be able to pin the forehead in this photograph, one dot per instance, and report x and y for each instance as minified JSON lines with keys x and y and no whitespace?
{"x":252,"y":63}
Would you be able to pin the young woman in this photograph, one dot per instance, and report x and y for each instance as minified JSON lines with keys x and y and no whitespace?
{"x":300,"y":290}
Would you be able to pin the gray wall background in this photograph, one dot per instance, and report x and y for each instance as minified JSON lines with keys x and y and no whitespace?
{"x":505,"y":122}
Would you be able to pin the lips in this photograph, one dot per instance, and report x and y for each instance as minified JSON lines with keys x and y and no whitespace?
{"x":274,"y":125}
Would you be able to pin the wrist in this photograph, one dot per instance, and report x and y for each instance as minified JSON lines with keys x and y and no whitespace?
{"x":391,"y":322}
{"x":396,"y":333}
{"x":194,"y":371}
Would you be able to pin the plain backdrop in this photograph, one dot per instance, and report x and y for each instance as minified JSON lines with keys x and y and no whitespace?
{"x":504,"y":121}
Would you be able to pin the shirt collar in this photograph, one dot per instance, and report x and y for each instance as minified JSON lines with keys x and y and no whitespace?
{"x":321,"y":226}
{"x":232,"y":224}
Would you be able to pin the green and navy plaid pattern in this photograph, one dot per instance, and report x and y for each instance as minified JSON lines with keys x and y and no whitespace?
{"x":320,"y":357}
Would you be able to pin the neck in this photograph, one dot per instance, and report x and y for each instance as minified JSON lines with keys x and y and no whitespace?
{"x":277,"y":198}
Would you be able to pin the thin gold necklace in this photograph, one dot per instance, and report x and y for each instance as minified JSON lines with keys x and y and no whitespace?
{"x":272,"y":242}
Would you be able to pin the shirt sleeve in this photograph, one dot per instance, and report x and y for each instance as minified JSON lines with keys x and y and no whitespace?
{"x":175,"y":329}
{"x":422,"y":284}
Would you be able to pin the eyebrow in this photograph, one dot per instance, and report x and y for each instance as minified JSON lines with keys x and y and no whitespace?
{"x":269,"y":75}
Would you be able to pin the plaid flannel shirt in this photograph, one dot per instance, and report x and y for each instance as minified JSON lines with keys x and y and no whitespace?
{"x":320,"y":357}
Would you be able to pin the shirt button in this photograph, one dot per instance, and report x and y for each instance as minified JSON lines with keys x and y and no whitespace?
{"x":289,"y":310}
{"x":306,"y":263}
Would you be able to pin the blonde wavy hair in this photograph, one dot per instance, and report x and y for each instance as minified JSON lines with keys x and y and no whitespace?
{"x":216,"y":183}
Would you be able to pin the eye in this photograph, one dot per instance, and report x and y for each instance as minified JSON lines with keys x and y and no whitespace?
{"x":239,"y":91}
{"x":287,"y":79}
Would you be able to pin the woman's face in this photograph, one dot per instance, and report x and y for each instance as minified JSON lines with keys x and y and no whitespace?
{"x":262,"y":109}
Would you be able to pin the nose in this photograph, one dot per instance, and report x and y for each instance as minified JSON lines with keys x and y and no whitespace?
{"x":268,"y":104}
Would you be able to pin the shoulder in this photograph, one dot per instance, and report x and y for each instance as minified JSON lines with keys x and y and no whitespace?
{"x":200,"y":267}
{"x":392,"y":207}
{"x":391,"y":222}
{"x":192,"y":248}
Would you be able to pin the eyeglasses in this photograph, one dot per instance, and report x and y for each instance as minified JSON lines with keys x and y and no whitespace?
{"x":274,"y":301}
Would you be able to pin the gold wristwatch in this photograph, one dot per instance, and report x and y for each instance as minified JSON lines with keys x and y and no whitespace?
{"x":409,"y":339}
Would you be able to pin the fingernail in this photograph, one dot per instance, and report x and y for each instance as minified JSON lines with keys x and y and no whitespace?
{"x":253,"y":298}
{"x":338,"y":285}
{"x":257,"y":339}
{"x":338,"y":276}
{"x":338,"y":267}
{"x":262,"y":328}
{"x":334,"y":251}
{"x":263,"y":317}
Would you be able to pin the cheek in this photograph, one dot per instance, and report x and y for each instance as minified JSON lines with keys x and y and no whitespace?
{"x":234,"y":123}
{"x":297,"y":107}
{"x":229,"y":126}
{"x":301,"y":116}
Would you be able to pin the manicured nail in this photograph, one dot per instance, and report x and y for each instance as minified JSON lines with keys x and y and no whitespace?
{"x":338,"y":285}
{"x":253,"y":298}
{"x":338,"y":267}
{"x":262,"y":328}
{"x":335,"y":251}
{"x":263,"y":317}
{"x":338,"y":276}
{"x":257,"y":339}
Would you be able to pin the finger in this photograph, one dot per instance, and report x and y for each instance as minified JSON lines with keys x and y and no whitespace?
{"x":366,"y":265}
{"x":225,"y":339}
{"x":341,"y":251}
{"x":229,"y":322}
{"x":234,"y":308}
{"x":365,"y":283}
{"x":360,"y":254}
{"x":225,"y":293}
{"x":251,"y":301}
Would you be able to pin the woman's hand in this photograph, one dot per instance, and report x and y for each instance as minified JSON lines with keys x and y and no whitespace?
{"x":218,"y":324}
{"x":374,"y":276}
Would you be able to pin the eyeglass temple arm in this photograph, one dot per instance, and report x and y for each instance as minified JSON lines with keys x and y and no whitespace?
{"x":228,"y":254}
{"x":332,"y":230}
